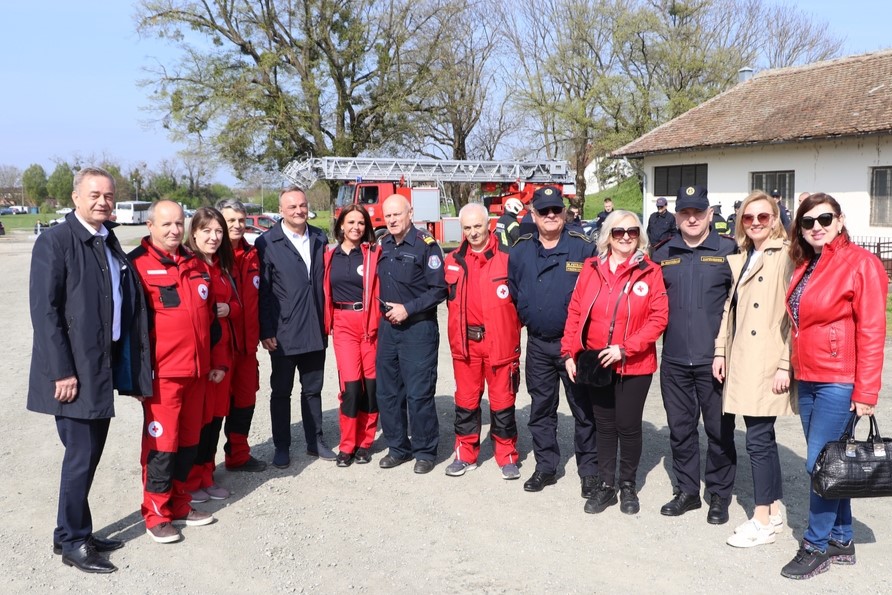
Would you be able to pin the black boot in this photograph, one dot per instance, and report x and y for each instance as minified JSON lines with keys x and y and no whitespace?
{"x":604,"y":497}
{"x":628,"y":498}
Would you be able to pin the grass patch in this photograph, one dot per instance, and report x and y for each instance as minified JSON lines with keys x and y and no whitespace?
{"x":25,"y":221}
{"x":626,"y":196}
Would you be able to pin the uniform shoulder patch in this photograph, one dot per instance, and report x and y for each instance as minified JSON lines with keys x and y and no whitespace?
{"x":525,"y":236}
{"x":426,"y":236}
{"x":580,"y":235}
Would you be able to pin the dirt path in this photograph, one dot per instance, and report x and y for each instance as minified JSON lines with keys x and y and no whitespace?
{"x":317,"y":528}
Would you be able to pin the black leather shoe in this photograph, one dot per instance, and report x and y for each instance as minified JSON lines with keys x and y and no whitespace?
{"x":589,"y":486}
{"x":363,"y":456}
{"x":87,"y":559}
{"x":604,"y":496}
{"x":423,"y":466}
{"x":101,"y":545}
{"x":718,"y":510}
{"x":345,"y":459}
{"x":538,"y":481}
{"x":390,"y":461}
{"x":628,"y":498}
{"x":681,"y":504}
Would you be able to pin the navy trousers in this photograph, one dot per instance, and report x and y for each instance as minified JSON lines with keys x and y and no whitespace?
{"x":406,"y":365}
{"x":84,"y":440}
{"x":311,"y":367}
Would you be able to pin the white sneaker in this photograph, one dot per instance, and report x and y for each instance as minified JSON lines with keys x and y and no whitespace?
{"x":777,"y":522}
{"x":751,"y":534}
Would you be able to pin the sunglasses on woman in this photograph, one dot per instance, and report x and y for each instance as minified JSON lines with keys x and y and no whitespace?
{"x":617,"y":233}
{"x":824,"y":219}
{"x":763,"y":218}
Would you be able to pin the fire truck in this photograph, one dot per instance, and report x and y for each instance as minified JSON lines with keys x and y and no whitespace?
{"x":370,"y":180}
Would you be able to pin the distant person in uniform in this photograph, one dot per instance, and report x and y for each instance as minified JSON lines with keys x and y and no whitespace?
{"x":732,"y":219}
{"x":661,"y":223}
{"x":507,"y":228}
{"x":608,"y":208}
{"x":786,"y":219}
{"x":698,"y":280}
{"x":411,"y":284}
{"x":90,"y":339}
{"x":542,"y":271}
{"x":718,"y":221}
{"x":573,"y":220}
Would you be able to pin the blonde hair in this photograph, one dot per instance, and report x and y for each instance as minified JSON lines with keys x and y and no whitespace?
{"x":612,"y":219}
{"x":777,"y":230}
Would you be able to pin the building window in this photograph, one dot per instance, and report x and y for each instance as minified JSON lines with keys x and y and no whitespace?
{"x":782,"y":181}
{"x":667,"y":180}
{"x":881,"y":196}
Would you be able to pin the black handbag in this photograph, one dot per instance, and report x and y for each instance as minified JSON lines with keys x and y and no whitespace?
{"x":849,"y":468}
{"x":589,"y":370}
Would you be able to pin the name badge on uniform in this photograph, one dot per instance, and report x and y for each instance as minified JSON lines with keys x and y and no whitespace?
{"x":714,"y":259}
{"x":670,"y":262}
{"x":574,"y":267}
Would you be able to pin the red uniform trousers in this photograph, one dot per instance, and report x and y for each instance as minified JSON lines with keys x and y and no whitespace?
{"x":355,"y":356}
{"x":169,"y":444}
{"x":501,"y":381}
{"x":244,"y":384}
{"x":216,"y":407}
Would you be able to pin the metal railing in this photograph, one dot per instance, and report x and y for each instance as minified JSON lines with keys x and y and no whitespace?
{"x":878,"y":245}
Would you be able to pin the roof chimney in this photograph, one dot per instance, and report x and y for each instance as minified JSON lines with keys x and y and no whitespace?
{"x":744,"y":74}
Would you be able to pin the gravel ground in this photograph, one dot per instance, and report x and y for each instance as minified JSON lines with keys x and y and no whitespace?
{"x":317,"y":528}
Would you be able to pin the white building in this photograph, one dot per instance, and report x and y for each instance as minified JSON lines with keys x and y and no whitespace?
{"x":823,"y":127}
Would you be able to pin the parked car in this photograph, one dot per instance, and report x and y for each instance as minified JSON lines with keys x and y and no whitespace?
{"x":6,"y":211}
{"x":262,"y":222}
{"x":252,"y":233}
{"x":64,"y":211}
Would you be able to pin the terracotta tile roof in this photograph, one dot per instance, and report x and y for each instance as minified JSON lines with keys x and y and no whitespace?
{"x":845,"y":97}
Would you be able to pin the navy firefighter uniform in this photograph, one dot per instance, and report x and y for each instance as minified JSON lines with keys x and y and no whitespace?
{"x":698,"y":280}
{"x":541,"y":282}
{"x":410,"y":273}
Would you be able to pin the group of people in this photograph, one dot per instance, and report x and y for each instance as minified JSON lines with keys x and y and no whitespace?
{"x":745,"y":322}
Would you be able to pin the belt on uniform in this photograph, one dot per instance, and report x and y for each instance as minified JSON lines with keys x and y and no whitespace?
{"x":355,"y":306}
{"x":419,"y":316}
{"x":546,"y":339}
{"x":476,"y":333}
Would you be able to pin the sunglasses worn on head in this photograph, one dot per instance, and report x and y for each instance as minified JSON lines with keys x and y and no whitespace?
{"x":824,"y":219}
{"x":763,"y":218}
{"x":550,"y":210}
{"x":617,"y":233}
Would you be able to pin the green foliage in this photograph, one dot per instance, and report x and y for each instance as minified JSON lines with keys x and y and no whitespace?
{"x":626,"y":196}
{"x":60,"y":184}
{"x":34,"y":183}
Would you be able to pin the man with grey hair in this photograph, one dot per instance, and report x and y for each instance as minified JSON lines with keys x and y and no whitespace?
{"x":484,"y":337}
{"x":244,"y":382}
{"x":90,"y":339}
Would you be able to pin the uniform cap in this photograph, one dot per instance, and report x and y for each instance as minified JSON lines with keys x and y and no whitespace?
{"x":547,"y":196}
{"x":662,"y":202}
{"x":691,"y":197}
{"x":775,"y":193}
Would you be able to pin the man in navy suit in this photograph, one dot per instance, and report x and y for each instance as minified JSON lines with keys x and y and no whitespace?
{"x":291,"y":322}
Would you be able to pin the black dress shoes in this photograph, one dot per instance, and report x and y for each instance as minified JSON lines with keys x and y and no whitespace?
{"x":389,"y":461}
{"x":363,"y":456}
{"x":101,"y":545}
{"x":87,"y":559}
{"x":423,"y":466}
{"x":681,"y":504}
{"x":538,"y":481}
{"x":718,"y":510}
{"x":345,"y":459}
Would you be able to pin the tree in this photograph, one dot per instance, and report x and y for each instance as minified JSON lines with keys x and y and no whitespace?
{"x":61,"y":183}
{"x":34,"y":183}
{"x":791,"y":37}
{"x":10,"y":176}
{"x":261,"y":82}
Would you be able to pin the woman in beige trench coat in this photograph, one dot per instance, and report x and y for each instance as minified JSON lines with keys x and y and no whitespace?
{"x":752,"y":356}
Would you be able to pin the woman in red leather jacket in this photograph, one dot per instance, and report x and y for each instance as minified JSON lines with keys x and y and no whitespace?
{"x":351,"y":316}
{"x":837,"y":302}
{"x":619,"y":306}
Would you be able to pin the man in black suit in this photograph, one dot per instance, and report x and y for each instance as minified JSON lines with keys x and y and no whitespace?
{"x":90,"y":338}
{"x":291,"y":322}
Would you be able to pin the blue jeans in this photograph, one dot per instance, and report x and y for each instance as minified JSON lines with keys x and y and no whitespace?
{"x":824,"y":410}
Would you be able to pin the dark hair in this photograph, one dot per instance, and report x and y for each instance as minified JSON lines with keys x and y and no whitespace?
{"x":292,"y":189}
{"x":225,"y":254}
{"x":369,"y":235}
{"x":800,"y":250}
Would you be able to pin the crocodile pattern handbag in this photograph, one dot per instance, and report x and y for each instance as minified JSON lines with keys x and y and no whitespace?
{"x":849,"y":468}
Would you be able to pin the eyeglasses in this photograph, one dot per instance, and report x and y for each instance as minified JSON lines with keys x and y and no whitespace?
{"x":550,"y":211}
{"x":617,"y":233}
{"x":824,"y":219}
{"x":763,"y":218}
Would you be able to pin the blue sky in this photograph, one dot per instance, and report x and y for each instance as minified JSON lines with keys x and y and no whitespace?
{"x":70,"y":73}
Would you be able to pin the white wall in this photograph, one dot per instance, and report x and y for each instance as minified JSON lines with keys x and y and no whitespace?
{"x":839,"y":167}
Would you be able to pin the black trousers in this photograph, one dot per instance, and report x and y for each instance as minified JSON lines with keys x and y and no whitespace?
{"x":688,"y":392}
{"x":84,"y":441}
{"x":619,"y":409}
{"x":545,"y":372}
{"x":311,"y":367}
{"x":761,"y":446}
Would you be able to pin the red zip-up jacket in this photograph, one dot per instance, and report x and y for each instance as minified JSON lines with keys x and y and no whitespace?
{"x":841,"y":335}
{"x":371,"y":253}
{"x":246,"y":275}
{"x":502,"y":334}
{"x":178,"y":292}
{"x":642,"y":312}
{"x":223,"y":292}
